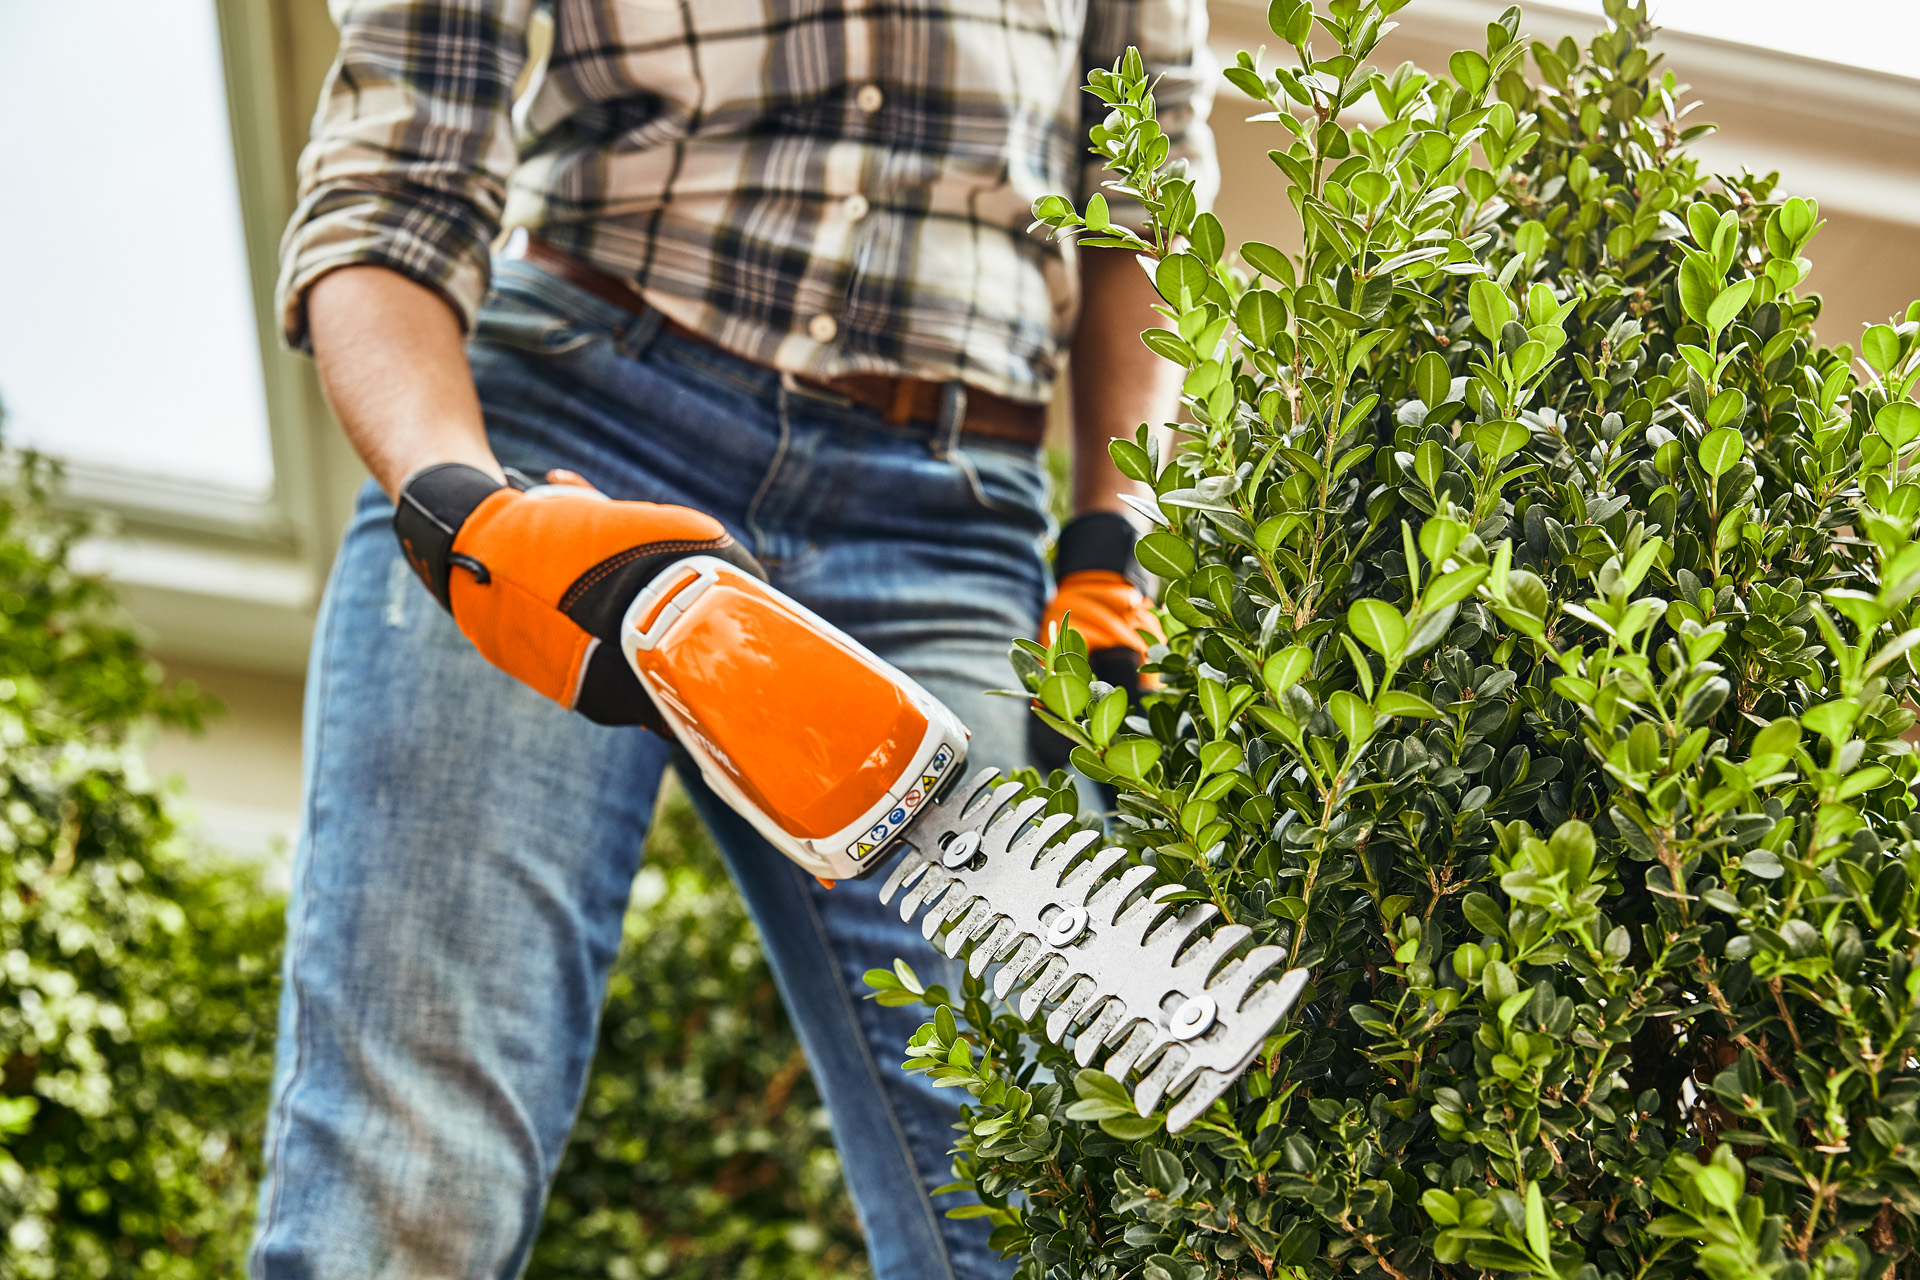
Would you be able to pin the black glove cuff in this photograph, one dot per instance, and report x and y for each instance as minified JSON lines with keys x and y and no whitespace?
{"x":434,"y":502}
{"x":1099,"y":540}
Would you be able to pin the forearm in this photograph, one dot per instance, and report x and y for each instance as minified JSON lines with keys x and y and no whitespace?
{"x":393,"y":362}
{"x":1117,"y":383}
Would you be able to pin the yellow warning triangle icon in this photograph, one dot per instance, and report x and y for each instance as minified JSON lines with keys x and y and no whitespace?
{"x":927,"y":781}
{"x":862,"y":850}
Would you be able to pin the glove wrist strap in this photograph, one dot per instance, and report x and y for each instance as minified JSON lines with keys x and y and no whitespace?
{"x":433,"y":503}
{"x":1099,"y":540}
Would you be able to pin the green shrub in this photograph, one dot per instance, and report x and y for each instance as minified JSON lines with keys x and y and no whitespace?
{"x":702,"y":1148}
{"x":139,"y":980}
{"x":137,"y":983}
{"x":1541,"y":595}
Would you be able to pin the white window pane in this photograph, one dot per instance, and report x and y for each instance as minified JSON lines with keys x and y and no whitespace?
{"x":1881,"y":35}
{"x":127,"y":336}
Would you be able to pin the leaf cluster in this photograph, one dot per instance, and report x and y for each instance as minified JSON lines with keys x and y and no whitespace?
{"x":1540,"y":606}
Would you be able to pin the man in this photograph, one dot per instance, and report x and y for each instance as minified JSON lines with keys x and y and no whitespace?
{"x":773,"y":275}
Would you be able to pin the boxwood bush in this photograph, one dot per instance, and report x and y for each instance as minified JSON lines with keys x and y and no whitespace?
{"x":1540,"y":598}
{"x":136,"y":983}
{"x":139,"y":980}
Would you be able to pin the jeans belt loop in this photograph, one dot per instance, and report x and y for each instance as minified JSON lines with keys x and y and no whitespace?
{"x":953,"y":416}
{"x":640,"y":332}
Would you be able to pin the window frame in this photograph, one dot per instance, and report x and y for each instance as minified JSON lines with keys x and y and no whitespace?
{"x":215,"y":575}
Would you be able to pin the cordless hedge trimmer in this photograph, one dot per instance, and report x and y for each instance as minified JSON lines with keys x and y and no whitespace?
{"x":843,"y":762}
{"x":643,"y":613}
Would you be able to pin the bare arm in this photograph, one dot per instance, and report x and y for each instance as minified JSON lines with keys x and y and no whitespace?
{"x":1117,"y":382}
{"x":394,"y":366}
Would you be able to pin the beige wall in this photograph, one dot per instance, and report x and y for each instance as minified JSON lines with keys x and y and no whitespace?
{"x":1850,"y":139}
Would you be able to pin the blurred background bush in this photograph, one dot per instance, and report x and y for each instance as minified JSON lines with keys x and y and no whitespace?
{"x":139,"y":977}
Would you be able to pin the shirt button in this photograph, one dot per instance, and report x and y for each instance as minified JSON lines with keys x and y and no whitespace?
{"x":869,"y":98}
{"x":855,"y":207}
{"x":822,"y":328}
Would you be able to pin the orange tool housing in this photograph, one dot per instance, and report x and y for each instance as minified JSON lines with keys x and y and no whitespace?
{"x":828,"y":750}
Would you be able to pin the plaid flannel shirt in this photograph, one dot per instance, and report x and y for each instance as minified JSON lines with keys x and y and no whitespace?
{"x":828,"y":188}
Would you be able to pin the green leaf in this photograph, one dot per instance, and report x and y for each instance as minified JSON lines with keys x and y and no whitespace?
{"x":1164,"y":555}
{"x":1286,"y":667}
{"x":1432,"y":380}
{"x":1500,"y":439}
{"x":1720,"y":451}
{"x":1394,"y":702}
{"x":1537,"y":1238}
{"x":1132,"y":460}
{"x":1880,"y":347}
{"x":1107,"y":717}
{"x":1065,"y":694}
{"x":1352,"y":714}
{"x":1207,"y":238}
{"x":1898,"y":423}
{"x":1491,"y":308}
{"x":1130,"y":1128}
{"x":1096,"y":215}
{"x":1728,"y":304}
{"x":1261,"y":315}
{"x":1100,"y":1096}
{"x":1451,"y":587}
{"x":1132,"y":757}
{"x":1182,"y":279}
{"x":1268,"y":261}
{"x":1699,"y":285}
{"x":1378,"y":625}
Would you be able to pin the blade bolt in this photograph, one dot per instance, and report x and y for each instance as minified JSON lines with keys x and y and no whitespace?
{"x":1193,"y":1018}
{"x":960,"y":850}
{"x":1067,"y":927}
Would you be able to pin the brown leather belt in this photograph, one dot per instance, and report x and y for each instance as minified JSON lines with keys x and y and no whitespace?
{"x":897,"y":400}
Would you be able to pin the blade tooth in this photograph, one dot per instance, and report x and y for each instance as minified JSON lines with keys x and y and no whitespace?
{"x":907,"y":869}
{"x":1201,"y":960}
{"x":952,"y":907}
{"x":1057,"y":859}
{"x":1026,"y":952}
{"x":1167,"y":937}
{"x":990,"y":947}
{"x":1153,"y":1085}
{"x":998,"y":838}
{"x":976,"y":919}
{"x":1207,"y":1086}
{"x":1040,"y":979}
{"x":1078,"y":993}
{"x":930,"y":887}
{"x":1034,"y":840}
{"x":1087,"y":877}
{"x":955,"y":808}
{"x":1233,"y":983}
{"x":1104,"y":903}
{"x":1042,"y":961}
{"x":1132,"y":1050}
{"x":1088,"y":1041}
{"x":1061,"y":1020}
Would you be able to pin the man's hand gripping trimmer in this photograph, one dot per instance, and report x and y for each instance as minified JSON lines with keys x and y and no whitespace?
{"x":842,"y":761}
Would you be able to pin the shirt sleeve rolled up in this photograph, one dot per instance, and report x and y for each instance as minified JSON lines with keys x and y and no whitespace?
{"x":1172,"y":38}
{"x":411,"y":149}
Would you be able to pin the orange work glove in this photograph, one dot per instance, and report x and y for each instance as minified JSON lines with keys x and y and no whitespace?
{"x":1099,"y":585}
{"x":539,"y":577}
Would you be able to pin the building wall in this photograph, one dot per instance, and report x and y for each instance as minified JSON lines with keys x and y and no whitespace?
{"x":1851,"y":139}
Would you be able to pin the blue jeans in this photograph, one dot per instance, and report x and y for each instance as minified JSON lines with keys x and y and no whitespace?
{"x":467,"y":847}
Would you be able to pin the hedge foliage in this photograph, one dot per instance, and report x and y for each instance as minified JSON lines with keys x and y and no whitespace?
{"x":1541,"y":599}
{"x":136,"y":983}
{"x":139,"y":980}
